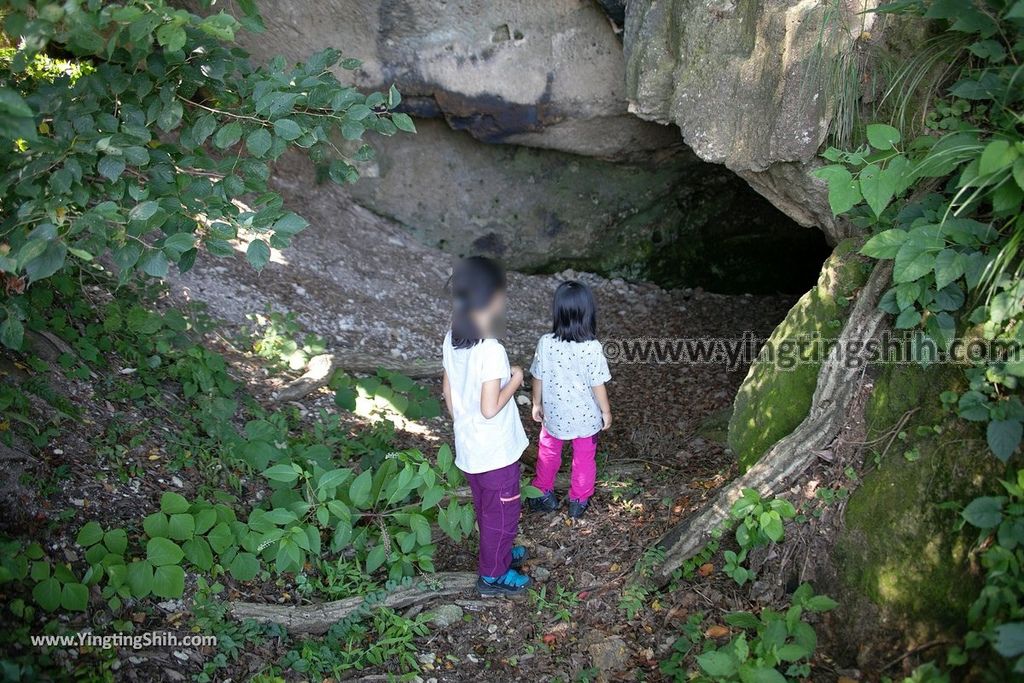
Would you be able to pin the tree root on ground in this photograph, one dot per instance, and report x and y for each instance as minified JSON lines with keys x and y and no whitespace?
{"x":838,"y":382}
{"x":318,"y":618}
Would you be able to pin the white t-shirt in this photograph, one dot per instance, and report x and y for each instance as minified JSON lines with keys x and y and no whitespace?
{"x":482,"y":444}
{"x":568,"y":370}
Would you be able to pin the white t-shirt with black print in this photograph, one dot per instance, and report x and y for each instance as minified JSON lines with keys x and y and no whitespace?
{"x":481,"y":444}
{"x":568,"y":370}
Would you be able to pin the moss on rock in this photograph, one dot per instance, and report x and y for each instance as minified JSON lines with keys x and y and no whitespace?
{"x":899,"y":548}
{"x":776,"y":394}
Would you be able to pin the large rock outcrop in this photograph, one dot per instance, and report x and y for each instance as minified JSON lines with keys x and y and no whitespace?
{"x":542,"y":73}
{"x":746,"y":81}
{"x":578,"y":180}
{"x":678,"y":220}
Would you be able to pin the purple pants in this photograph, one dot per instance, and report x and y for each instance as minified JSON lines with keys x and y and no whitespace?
{"x":496,"y":501}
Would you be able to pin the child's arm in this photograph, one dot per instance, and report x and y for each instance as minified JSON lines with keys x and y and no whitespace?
{"x":493,"y":397}
{"x":601,"y":396}
{"x":446,"y":389}
{"x":538,"y":405}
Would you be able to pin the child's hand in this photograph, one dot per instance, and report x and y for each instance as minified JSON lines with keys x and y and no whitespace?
{"x":517,"y":376}
{"x":607,"y":417}
{"x":538,"y":412}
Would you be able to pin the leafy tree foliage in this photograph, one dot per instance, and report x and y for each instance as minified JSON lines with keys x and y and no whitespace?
{"x":946,"y":208}
{"x":141,"y":133}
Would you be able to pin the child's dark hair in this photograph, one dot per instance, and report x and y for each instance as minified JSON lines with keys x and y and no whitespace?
{"x":473,"y":285}
{"x":574,"y":312}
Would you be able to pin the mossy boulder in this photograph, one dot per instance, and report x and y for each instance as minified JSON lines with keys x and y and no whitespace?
{"x":776,"y":394}
{"x":900,"y":549}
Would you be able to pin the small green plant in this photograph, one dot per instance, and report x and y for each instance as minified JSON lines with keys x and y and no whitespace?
{"x":381,"y":638}
{"x":278,"y":338}
{"x":997,"y":616}
{"x":635,"y":594}
{"x":560,"y":605}
{"x":759,"y":522}
{"x":772,"y":646}
{"x":385,"y":391}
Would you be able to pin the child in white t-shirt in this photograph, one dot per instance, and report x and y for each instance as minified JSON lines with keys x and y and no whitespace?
{"x":479,"y":389}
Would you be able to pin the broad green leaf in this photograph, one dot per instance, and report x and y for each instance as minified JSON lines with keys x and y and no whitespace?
{"x":205,"y":519}
{"x":1010,"y":639}
{"x":181,"y":527}
{"x":403,"y":122}
{"x":359,"y":490}
{"x":154,"y":263}
{"x":244,"y":567}
{"x":949,"y":265}
{"x":985,"y":512}
{"x":173,"y":503}
{"x":162,"y":551}
{"x":282,"y":473}
{"x":116,"y":541}
{"x":111,"y":167}
{"x":12,"y":333}
{"x":882,"y":136}
{"x":47,"y":263}
{"x":258,"y":142}
{"x":821,"y":603}
{"x":1004,"y":437}
{"x":375,"y":558}
{"x":334,"y":478}
{"x":258,"y":254}
{"x":155,"y":525}
{"x":90,"y":534}
{"x":717,"y":664}
{"x":885,"y":244}
{"x":998,"y":156}
{"x":877,"y":188}
{"x":221,"y":537}
{"x":907,"y":319}
{"x":228,"y":135}
{"x":916,"y":256}
{"x":140,"y":578}
{"x":47,"y":594}
{"x":287,"y":129}
{"x":74,"y":597}
{"x":204,"y":128}
{"x":169,"y":582}
{"x":171,"y":36}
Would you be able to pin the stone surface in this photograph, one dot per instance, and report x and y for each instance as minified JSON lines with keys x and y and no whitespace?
{"x":543,"y":73}
{"x":903,"y":567}
{"x":677,"y":221}
{"x":743,"y":80}
{"x":609,"y":655}
{"x":776,"y":394}
{"x":446,"y":615}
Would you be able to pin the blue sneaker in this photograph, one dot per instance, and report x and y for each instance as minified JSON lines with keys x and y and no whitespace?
{"x":546,"y":503}
{"x":519,"y":556}
{"x":577,"y":508}
{"x":510,"y":583}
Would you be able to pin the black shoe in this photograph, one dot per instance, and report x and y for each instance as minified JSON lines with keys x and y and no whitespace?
{"x":577,"y":508}
{"x":511,"y":583}
{"x":546,"y":503}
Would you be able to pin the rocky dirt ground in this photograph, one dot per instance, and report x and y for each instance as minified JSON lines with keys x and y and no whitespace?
{"x":361,"y":283}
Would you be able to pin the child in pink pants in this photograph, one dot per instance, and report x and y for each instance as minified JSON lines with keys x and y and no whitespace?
{"x":569,"y":397}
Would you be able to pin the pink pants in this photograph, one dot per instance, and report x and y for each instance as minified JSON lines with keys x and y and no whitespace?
{"x":584,"y":467}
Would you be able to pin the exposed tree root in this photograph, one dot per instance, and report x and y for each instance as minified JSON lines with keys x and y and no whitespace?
{"x":317,"y":619}
{"x":838,"y":382}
